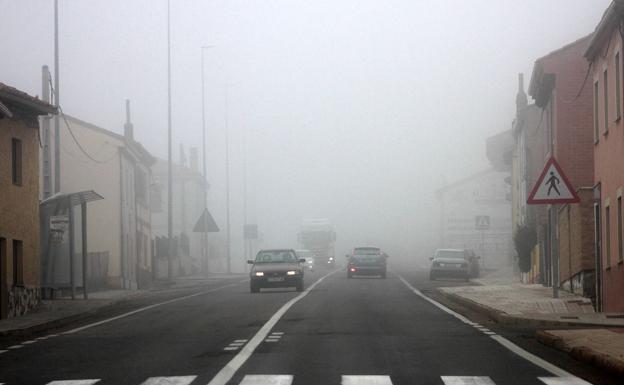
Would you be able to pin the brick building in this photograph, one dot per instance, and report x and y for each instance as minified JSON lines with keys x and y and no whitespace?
{"x":604,"y":53}
{"x":19,"y":189}
{"x":557,"y":86}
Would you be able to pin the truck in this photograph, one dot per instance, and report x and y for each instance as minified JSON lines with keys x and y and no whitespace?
{"x":318,"y":236}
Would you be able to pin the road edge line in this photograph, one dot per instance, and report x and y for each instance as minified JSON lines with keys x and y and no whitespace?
{"x":227,"y":372}
{"x":124,"y":315}
{"x":535,"y":360}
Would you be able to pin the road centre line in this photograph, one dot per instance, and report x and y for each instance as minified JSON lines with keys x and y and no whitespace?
{"x":455,"y":380}
{"x":259,"y":379}
{"x":180,"y":380}
{"x":227,"y":372}
{"x":74,"y":382}
{"x":366,"y":380}
{"x":79,"y":329}
{"x":535,"y":360}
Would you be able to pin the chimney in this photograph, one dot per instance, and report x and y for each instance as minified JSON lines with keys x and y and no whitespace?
{"x":193,"y":159}
{"x":128,"y":127}
{"x":521,"y":97}
{"x":182,"y":156}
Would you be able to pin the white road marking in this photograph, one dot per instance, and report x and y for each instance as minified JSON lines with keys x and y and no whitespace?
{"x":28,"y":342}
{"x":180,"y":380}
{"x":15,"y":347}
{"x":237,"y":344}
{"x":226,"y":373}
{"x":230,"y":348}
{"x":278,"y":333}
{"x":563,"y":381}
{"x":366,"y":380}
{"x":73,"y":382}
{"x":241,"y":341}
{"x":490,"y":333}
{"x":144,"y":309}
{"x":535,"y":360}
{"x":52,"y":335}
{"x":3,"y":351}
{"x":453,"y":380}
{"x":259,"y":379}
{"x":42,"y":338}
{"x":270,"y":340}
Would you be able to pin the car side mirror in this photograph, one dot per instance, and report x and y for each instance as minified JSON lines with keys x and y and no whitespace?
{"x":250,"y":261}
{"x":302,"y":260}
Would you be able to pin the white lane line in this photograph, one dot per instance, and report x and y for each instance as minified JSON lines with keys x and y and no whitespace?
{"x":230,"y":348}
{"x":239,"y":344}
{"x":73,"y":382}
{"x":42,"y":338}
{"x":271,"y":340}
{"x":145,"y":308}
{"x":259,"y":379}
{"x":490,"y":333}
{"x":3,"y":351}
{"x":453,"y":380}
{"x":241,"y":341}
{"x":28,"y":342}
{"x":366,"y":380}
{"x":15,"y":347}
{"x":52,"y":335}
{"x":180,"y":380}
{"x":278,"y":333}
{"x":563,"y":381}
{"x":228,"y":371}
{"x":535,"y":360}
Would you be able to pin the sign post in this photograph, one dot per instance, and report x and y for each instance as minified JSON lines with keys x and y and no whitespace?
{"x":553,"y":188}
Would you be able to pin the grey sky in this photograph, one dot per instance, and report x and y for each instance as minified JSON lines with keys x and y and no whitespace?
{"x":354,"y":110}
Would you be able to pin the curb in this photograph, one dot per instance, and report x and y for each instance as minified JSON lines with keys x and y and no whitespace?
{"x":582,"y":353}
{"x":506,"y":319}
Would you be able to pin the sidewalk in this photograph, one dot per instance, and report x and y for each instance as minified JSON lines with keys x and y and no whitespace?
{"x":514,"y":303}
{"x":50,"y":314}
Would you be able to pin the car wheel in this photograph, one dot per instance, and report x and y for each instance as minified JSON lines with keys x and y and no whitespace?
{"x":254,"y":288}
{"x":300,"y":285}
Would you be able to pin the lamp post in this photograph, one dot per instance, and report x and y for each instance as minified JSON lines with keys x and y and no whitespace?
{"x":169,"y":153}
{"x":227,"y":181}
{"x":205,"y":191}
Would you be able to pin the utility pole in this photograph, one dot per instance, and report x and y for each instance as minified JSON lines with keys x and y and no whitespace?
{"x":57,"y":132}
{"x":45,"y":127}
{"x":227,"y":181}
{"x":205,"y":173}
{"x":169,"y":152}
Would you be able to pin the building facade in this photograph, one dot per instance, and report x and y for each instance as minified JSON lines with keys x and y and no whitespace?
{"x":476,"y":214}
{"x":604,"y":53}
{"x":119,"y":169}
{"x":19,"y":189}
{"x":557,"y":86}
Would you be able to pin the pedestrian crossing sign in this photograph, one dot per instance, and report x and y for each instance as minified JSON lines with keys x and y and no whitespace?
{"x":552,"y":187}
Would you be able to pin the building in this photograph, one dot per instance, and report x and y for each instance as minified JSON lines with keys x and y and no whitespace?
{"x":527,"y":160}
{"x":117,"y":167}
{"x":557,"y":86}
{"x":194,"y":251}
{"x":476,"y":214}
{"x":604,"y":54}
{"x":19,"y":189}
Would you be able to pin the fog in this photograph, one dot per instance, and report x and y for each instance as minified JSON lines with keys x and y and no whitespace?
{"x":351,"y":110}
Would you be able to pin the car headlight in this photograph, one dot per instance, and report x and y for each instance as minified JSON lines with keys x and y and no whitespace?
{"x":291,"y":272}
{"x":259,"y":274}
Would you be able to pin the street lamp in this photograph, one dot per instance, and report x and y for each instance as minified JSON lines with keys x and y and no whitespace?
{"x":205,"y":195}
{"x":169,"y":153}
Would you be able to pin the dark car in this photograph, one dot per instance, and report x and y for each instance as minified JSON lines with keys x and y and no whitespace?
{"x":276,"y":268}
{"x":366,"y":261}
{"x":453,"y":263}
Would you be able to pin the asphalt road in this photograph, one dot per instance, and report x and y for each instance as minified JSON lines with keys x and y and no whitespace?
{"x":349,"y":331}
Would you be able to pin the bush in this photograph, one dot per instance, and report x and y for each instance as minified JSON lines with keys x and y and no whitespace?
{"x":525,"y":240}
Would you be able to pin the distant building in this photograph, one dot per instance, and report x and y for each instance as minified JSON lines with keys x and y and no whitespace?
{"x":19,"y":206}
{"x":566,"y":117}
{"x":118,"y":168}
{"x":189,"y":189}
{"x":476,"y":214}
{"x":604,"y":52}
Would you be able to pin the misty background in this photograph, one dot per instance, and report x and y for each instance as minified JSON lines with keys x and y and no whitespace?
{"x":354,"y":110}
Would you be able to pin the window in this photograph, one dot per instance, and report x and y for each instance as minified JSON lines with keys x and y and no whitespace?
{"x":608,"y":236}
{"x":140,"y":185}
{"x":619,"y":228}
{"x":606,"y":102}
{"x":618,"y":91}
{"x":596,"y":120}
{"x":16,"y":161}
{"x":18,"y":263}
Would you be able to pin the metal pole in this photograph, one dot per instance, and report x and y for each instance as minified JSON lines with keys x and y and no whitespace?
{"x":227,"y":181}
{"x":169,"y":152}
{"x":205,"y":173}
{"x":72,"y":279}
{"x":555,"y":250}
{"x":83,"y":222}
{"x":245,"y":215}
{"x":57,"y":133}
{"x":45,"y":126}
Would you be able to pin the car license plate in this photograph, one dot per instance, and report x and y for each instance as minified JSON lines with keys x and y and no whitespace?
{"x":276,"y":279}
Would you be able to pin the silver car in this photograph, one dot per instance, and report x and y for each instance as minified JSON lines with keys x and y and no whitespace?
{"x":451,"y":263}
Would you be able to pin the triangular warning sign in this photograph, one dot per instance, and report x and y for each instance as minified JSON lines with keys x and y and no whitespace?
{"x":206,"y":224}
{"x":552,"y":187}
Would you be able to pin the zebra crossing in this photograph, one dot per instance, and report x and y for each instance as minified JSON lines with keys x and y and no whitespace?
{"x":286,"y":379}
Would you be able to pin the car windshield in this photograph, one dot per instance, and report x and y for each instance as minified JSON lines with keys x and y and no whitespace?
{"x":366,"y":251}
{"x":276,"y":256}
{"x":450,"y":254}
